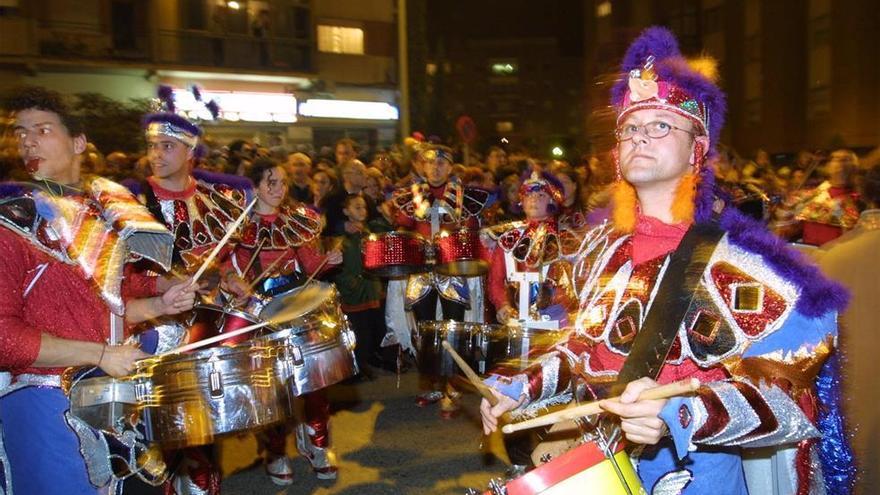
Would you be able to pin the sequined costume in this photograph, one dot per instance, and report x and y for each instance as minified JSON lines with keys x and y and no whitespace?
{"x":427,"y":210}
{"x":62,"y":256}
{"x":199,"y":215}
{"x":754,"y":335}
{"x":291,"y":235}
{"x":535,"y":247}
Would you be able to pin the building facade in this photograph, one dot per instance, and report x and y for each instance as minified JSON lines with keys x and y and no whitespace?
{"x":294,"y":71}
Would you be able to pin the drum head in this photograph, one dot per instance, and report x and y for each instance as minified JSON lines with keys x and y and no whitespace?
{"x":297,"y":302}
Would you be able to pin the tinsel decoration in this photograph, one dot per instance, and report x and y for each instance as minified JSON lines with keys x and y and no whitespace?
{"x":835,"y":452}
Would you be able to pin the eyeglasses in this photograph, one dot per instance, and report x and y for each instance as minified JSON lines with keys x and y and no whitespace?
{"x":654,"y":130}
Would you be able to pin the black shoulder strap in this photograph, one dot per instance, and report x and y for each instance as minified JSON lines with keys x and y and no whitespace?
{"x":674,"y":296}
{"x":152,"y":204}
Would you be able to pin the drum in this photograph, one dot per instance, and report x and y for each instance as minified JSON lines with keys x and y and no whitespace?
{"x":514,"y":347}
{"x":209,"y":320}
{"x":463,"y":337}
{"x":190,"y":399}
{"x":315,"y":342}
{"x":395,"y":254}
{"x":460,"y":253}
{"x":581,"y":468}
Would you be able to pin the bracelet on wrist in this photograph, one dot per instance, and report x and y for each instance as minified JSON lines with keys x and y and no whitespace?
{"x":103,"y":350}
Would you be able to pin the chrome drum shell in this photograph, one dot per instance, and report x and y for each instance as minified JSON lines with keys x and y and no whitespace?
{"x":316,"y":346}
{"x":190,"y":399}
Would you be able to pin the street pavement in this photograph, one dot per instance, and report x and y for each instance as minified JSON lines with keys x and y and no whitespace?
{"x":385,"y":445}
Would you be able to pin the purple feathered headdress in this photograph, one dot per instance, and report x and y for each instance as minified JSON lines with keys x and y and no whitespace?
{"x":656,"y":75}
{"x":166,"y":122}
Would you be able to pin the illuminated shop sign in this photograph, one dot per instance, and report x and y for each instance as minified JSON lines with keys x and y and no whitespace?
{"x":348,"y":109}
{"x":243,"y":106}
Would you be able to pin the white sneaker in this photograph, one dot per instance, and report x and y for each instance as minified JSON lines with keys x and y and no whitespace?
{"x":280,"y":470}
{"x":323,"y":460}
{"x":184,"y":485}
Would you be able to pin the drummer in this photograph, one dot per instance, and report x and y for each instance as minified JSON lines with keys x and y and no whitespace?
{"x":528,"y":256}
{"x":752,"y":321}
{"x":198,"y":207}
{"x":528,"y":279}
{"x":435,"y":201}
{"x":285,"y":240}
{"x":59,"y":299}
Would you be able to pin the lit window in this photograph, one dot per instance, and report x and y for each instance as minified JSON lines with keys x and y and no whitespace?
{"x":504,"y":68}
{"x":603,"y":9}
{"x":431,"y":69}
{"x":338,"y":39}
{"x":504,"y":126}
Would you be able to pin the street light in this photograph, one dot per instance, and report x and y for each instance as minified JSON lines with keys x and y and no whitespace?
{"x":557,"y":152}
{"x":233,"y":5}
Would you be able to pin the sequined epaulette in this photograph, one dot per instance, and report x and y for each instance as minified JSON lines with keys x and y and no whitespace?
{"x":414,"y":202}
{"x":202,"y":219}
{"x":292,"y":227}
{"x":97,"y":230}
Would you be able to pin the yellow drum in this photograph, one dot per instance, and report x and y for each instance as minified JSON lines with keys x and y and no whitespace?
{"x":583,"y":469}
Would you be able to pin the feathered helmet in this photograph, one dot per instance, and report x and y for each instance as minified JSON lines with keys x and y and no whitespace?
{"x":657,"y":76}
{"x":542,"y":182}
{"x":165,"y":121}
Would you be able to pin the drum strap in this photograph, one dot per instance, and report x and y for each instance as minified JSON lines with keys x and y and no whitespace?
{"x":674,"y":296}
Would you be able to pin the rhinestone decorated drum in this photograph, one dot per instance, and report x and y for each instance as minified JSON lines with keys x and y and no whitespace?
{"x":395,"y":254}
{"x":460,"y":253}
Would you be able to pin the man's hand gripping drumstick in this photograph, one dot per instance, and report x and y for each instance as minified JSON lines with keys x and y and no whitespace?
{"x":638,"y":407}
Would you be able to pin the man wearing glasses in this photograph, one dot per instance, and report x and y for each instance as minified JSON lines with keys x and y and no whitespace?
{"x":749,"y":318}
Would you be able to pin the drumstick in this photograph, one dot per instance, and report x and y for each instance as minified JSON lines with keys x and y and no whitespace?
{"x":472,"y":377}
{"x":268,"y":270}
{"x":682,"y":387}
{"x":222,"y":242}
{"x":320,"y":266}
{"x":254,"y":257}
{"x":216,"y":338}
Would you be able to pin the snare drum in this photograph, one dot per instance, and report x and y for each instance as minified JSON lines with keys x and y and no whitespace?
{"x":190,"y":399}
{"x":395,"y":254}
{"x":580,"y":470}
{"x":460,"y":253}
{"x":428,"y":340}
{"x":315,"y":342}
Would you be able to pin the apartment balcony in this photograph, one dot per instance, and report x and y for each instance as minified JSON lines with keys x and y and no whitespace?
{"x":31,"y":41}
{"x":233,"y":51}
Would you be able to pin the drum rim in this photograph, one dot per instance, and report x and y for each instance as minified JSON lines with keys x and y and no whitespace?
{"x":375,"y":237}
{"x":463,"y":267}
{"x":230,"y":311}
